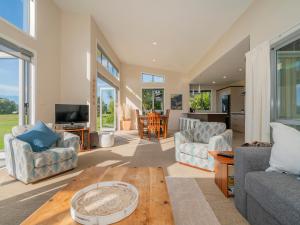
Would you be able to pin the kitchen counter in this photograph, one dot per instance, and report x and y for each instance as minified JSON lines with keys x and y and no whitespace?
{"x":204,"y":113}
{"x":210,"y":117}
{"x":237,"y":113}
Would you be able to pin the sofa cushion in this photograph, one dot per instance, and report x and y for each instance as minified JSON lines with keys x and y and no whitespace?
{"x":206,"y":130}
{"x":277,"y":193}
{"x":195,"y":149}
{"x":20,"y":129}
{"x":52,"y":156}
{"x":40,"y":137}
{"x":285,"y":155}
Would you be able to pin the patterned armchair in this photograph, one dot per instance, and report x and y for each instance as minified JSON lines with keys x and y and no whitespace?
{"x":192,"y":146}
{"x":28,"y":166}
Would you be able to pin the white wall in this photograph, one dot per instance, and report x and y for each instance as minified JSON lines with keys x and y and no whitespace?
{"x":75,"y":58}
{"x":131,"y":88}
{"x":263,"y":20}
{"x":46,"y":47}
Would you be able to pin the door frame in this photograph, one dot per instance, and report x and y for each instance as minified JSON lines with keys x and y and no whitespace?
{"x":115,"y":109}
{"x":116,"y":91}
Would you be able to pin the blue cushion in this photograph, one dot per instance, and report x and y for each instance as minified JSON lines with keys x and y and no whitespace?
{"x":40,"y":137}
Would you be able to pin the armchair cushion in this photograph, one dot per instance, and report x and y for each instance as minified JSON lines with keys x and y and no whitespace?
{"x":40,"y":137}
{"x":195,"y":149}
{"x":206,"y":130}
{"x":52,"y":156}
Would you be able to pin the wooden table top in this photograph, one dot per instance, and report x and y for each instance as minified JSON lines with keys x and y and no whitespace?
{"x":222,"y":159}
{"x":154,"y":205}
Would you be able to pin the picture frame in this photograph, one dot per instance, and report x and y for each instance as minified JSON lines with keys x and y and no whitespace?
{"x":176,"y":101}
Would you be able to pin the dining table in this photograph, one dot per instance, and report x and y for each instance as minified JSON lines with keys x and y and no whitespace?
{"x":163,"y":121}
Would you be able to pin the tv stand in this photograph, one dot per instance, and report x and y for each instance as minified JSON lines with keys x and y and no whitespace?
{"x":72,"y":127}
{"x":80,"y":131}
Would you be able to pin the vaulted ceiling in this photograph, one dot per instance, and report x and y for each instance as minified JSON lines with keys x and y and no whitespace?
{"x":166,"y":34}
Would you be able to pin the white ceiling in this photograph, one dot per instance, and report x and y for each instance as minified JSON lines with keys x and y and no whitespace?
{"x":231,"y":65}
{"x":183,"y":29}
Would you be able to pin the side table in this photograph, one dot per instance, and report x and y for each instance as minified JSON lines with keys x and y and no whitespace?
{"x":224,"y":172}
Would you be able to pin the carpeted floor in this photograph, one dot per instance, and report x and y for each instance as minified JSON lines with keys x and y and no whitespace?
{"x":17,"y":200}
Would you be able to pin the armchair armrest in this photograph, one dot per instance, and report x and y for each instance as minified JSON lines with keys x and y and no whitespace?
{"x":9,"y":154}
{"x":69,"y":140}
{"x":23,"y":156}
{"x":222,"y":142}
{"x":247,"y":159}
{"x":182,"y":137}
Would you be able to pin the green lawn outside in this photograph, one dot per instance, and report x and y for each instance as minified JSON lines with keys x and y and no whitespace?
{"x":107,"y":121}
{"x":6,"y":123}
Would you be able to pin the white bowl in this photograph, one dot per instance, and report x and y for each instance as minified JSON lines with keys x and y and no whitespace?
{"x":108,"y":219}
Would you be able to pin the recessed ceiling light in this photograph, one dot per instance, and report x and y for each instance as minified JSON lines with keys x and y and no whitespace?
{"x":154,"y":43}
{"x":214,"y":82}
{"x":224,"y":77}
{"x":240,"y":69}
{"x":153,"y":60}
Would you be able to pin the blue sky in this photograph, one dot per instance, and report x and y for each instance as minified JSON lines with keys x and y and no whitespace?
{"x":9,"y":77}
{"x":12,"y":11}
{"x":106,"y":95}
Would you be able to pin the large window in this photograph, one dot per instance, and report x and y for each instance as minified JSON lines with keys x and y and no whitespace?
{"x":153,"y":100}
{"x":286,"y":95}
{"x":200,"y":99}
{"x":152,"y":78}
{"x":20,"y":13}
{"x":14,"y":87}
{"x":107,"y":63}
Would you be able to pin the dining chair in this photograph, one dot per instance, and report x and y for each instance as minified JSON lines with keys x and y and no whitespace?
{"x":153,"y":125}
{"x":140,"y":124}
{"x":165,"y":123}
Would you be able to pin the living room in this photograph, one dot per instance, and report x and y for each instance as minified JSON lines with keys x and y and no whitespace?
{"x":159,"y":98}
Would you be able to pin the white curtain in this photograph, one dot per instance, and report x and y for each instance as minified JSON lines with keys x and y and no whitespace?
{"x":258,"y":94}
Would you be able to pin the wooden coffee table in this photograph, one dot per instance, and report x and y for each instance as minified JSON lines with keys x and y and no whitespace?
{"x":154,"y":205}
{"x":223,"y":172}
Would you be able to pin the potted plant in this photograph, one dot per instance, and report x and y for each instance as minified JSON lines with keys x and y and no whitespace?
{"x":126,"y":121}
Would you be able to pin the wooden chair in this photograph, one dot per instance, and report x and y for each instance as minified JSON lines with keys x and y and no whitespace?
{"x":165,"y":124}
{"x":153,"y":125}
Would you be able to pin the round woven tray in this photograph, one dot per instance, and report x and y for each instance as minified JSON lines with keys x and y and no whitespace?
{"x":104,"y":203}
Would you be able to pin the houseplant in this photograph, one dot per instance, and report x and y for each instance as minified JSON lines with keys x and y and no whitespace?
{"x":126,"y":121}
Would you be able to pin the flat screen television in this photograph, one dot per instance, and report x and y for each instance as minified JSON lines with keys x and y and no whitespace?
{"x":70,"y":114}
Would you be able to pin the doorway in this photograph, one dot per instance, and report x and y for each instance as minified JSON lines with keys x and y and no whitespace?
{"x":106,"y":105}
{"x":14,"y":87}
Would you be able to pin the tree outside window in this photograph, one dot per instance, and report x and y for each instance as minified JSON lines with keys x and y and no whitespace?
{"x":153,"y":100}
{"x":201,"y":101}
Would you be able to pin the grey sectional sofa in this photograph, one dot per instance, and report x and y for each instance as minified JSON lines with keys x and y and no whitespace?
{"x":264,"y":198}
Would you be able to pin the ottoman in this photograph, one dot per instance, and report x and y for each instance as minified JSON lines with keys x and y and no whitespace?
{"x":106,"y":139}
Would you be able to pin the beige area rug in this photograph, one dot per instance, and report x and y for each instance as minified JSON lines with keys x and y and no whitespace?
{"x":198,"y":201}
{"x":18,"y":201}
{"x":188,"y":203}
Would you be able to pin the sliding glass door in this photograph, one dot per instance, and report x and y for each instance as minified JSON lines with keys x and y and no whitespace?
{"x":14,"y":90}
{"x":106,"y":105}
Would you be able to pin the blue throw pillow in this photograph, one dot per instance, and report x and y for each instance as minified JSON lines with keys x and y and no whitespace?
{"x":40,"y":137}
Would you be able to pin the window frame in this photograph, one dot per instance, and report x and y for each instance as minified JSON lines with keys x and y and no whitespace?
{"x":152,"y":76}
{"x":275,"y":99}
{"x":109,"y":63}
